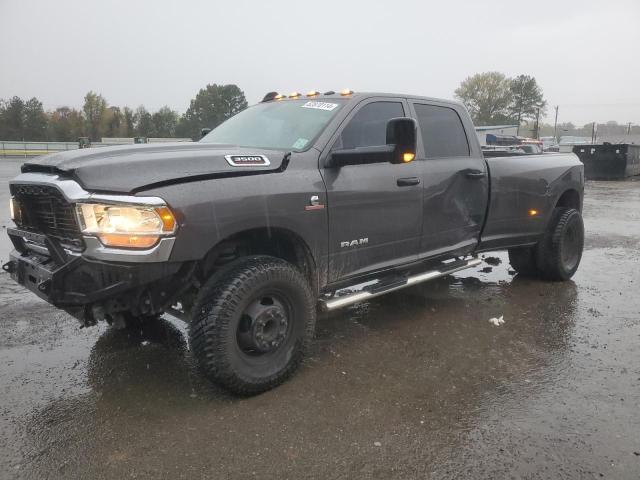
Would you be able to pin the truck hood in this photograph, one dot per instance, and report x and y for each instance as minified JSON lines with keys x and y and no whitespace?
{"x":133,"y":168}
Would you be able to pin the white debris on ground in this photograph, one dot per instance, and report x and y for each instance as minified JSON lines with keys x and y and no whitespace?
{"x":497,"y":321}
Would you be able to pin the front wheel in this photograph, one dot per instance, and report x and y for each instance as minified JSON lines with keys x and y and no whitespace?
{"x":252,"y":325}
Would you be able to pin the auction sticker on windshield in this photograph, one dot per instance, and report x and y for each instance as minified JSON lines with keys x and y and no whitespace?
{"x":300,"y":143}
{"x":320,"y":105}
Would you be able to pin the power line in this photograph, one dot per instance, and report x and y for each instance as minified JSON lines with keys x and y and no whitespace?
{"x":624,"y":104}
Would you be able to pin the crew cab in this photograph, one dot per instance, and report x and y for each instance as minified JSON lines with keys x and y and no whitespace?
{"x":297,"y":204}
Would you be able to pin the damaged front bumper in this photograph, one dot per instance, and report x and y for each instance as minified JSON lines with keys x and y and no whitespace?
{"x":84,"y":286}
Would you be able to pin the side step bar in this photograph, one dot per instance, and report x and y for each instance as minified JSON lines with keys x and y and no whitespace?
{"x":334,"y":303}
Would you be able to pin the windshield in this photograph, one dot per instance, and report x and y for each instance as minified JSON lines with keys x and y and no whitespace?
{"x":283,"y":125}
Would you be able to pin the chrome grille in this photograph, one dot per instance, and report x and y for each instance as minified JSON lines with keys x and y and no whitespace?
{"x":44,"y":209}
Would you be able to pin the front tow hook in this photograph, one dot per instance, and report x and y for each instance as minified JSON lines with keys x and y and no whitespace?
{"x":44,"y":286}
{"x":9,"y":267}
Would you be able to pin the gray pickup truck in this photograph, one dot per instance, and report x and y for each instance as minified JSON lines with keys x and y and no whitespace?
{"x":298,"y":203}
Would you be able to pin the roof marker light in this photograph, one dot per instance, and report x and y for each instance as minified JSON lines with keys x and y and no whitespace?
{"x":270,"y":96}
{"x":313,"y":93}
{"x":346,"y":91}
{"x":294,"y":95}
{"x":278,"y":97}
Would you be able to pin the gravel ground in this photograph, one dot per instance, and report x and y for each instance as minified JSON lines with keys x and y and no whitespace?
{"x":417,"y":384}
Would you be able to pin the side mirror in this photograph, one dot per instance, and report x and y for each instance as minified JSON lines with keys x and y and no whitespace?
{"x":360,"y":156}
{"x":401,"y":133}
{"x":400,"y":147}
{"x":204,"y":131}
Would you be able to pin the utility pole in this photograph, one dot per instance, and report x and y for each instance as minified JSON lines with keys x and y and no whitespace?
{"x":594,"y":132}
{"x":520,"y":106}
{"x":555,"y":126}
{"x":537,"y":127}
{"x":629,"y":128}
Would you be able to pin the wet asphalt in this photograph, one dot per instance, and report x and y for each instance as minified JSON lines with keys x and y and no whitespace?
{"x":417,"y":384}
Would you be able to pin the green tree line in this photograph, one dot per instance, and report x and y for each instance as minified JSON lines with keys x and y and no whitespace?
{"x":492,"y":98}
{"x":26,"y":120}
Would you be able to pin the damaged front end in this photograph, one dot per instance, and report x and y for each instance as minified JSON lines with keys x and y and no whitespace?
{"x":56,"y":259}
{"x":92,"y":290}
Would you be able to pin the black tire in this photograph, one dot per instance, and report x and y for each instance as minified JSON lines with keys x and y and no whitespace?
{"x":560,"y":251}
{"x":557,"y":256}
{"x":252,"y":325}
{"x":523,"y":261}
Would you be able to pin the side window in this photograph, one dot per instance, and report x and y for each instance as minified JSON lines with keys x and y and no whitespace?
{"x":442,"y":131}
{"x":368,"y":127}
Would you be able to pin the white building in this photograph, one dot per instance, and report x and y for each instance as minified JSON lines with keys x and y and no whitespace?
{"x":482,"y":132}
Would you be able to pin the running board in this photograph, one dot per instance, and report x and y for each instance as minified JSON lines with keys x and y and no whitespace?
{"x":334,"y":303}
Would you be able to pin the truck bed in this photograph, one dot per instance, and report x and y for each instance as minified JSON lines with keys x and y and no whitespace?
{"x":524,"y":189}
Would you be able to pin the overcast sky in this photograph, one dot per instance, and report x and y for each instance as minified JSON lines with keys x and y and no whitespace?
{"x":584,"y":54}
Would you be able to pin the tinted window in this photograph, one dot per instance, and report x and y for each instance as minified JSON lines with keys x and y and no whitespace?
{"x":368,"y":127}
{"x":442,"y":131}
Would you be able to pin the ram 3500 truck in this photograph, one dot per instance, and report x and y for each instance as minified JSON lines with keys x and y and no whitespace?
{"x":280,"y":211}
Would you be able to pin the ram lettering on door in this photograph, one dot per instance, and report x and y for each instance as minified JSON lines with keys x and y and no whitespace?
{"x":354,"y":243}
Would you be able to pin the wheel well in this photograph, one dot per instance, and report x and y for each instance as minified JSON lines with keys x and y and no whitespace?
{"x":570,"y":199}
{"x":277,"y":242}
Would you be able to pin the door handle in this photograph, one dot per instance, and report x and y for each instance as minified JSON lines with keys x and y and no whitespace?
{"x":407,"y":182}
{"x":474,"y":174}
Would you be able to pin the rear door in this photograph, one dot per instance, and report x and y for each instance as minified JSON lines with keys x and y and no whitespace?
{"x":375,"y":210}
{"x":455,"y":179}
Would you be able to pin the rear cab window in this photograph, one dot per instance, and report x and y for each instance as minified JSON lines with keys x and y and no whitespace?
{"x":442,"y":132}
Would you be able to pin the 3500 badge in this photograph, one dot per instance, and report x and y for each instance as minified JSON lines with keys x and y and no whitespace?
{"x":247,"y":160}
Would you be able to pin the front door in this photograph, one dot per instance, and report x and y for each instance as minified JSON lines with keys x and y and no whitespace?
{"x":375,"y":210}
{"x":455,"y":179}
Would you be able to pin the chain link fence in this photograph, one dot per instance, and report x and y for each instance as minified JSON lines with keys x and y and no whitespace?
{"x":33,"y":149}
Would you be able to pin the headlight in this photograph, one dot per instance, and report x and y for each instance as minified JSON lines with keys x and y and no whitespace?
{"x":15,"y":211}
{"x":12,"y":208}
{"x":128,"y":226}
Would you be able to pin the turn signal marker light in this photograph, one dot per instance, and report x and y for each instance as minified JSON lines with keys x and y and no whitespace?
{"x":168,"y":220}
{"x":408,"y":157}
{"x":128,"y":241}
{"x":533,"y":212}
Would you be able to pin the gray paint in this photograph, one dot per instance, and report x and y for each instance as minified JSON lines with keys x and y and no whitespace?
{"x":442,"y":216}
{"x":519,"y":184}
{"x":454,"y":204}
{"x":132,"y":168}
